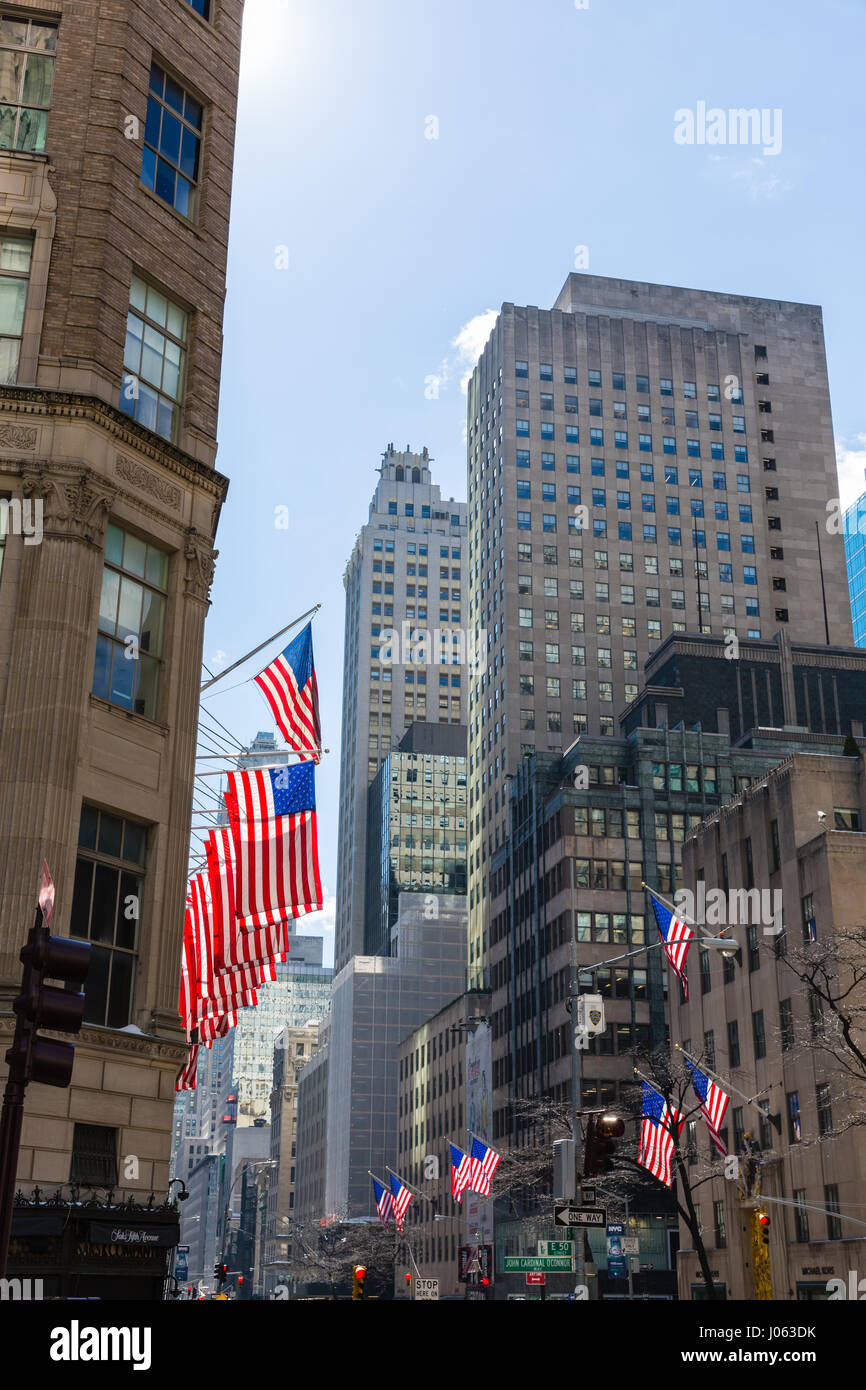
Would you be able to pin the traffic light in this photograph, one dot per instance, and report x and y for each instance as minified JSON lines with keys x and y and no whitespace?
{"x":39,"y":1005}
{"x":764,"y":1223}
{"x":601,"y":1135}
{"x":219,"y":1273}
{"x":408,"y":1277}
{"x":359,"y":1274}
{"x":240,"y":1280}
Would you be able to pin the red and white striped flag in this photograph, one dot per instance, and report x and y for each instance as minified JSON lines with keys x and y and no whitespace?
{"x":273,"y":822}
{"x":187,"y":1078}
{"x":234,"y":946}
{"x":657,"y":1146}
{"x":289,"y":686}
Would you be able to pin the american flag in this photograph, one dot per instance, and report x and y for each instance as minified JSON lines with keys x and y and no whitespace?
{"x":273,"y":821}
{"x":384,"y":1201}
{"x":229,"y":984}
{"x":677,"y":938}
{"x":232,"y":945}
{"x":461,"y":1172}
{"x":483,"y":1164}
{"x":656,"y":1147}
{"x":401,"y":1199}
{"x":187,"y":1076}
{"x":714,"y":1103}
{"x":209,"y":1018}
{"x":289,"y":686}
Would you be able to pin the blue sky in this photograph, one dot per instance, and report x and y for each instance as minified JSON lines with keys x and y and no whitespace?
{"x":555,"y":130}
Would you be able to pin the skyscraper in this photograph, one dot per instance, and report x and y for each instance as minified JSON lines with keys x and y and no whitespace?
{"x":854,"y":532}
{"x":638,"y":455}
{"x":404,"y":575}
{"x":115,"y":183}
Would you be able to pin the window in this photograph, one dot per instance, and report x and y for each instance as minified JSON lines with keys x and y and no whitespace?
{"x":645,"y":443}
{"x":810,"y":926}
{"x":758,"y":1034}
{"x":15,"y":253}
{"x":824,"y":1106}
{"x":521,"y":368}
{"x":733,"y":1039}
{"x":546,"y":400}
{"x":201,"y":7}
{"x":131,"y":623}
{"x":642,"y":385}
{"x":795,"y":1131}
{"x":720,"y":1235}
{"x":172,"y":142}
{"x":666,"y":386}
{"x":545,"y":371}
{"x":522,"y":428}
{"x":522,"y":458}
{"x":154,"y":358}
{"x":801,"y":1216}
{"x":27,"y":49}
{"x":831,"y":1206}
{"x":105,"y":911}
{"x":94,"y":1152}
{"x":845,"y":819}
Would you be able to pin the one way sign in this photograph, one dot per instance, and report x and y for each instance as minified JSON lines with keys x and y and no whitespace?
{"x":564,"y":1214}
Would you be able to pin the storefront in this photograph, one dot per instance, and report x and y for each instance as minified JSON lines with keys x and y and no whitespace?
{"x":61,"y":1250}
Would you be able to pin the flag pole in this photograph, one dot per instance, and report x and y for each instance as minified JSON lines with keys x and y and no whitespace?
{"x":235,"y":664}
{"x":672,"y":907}
{"x":750,"y":1100}
{"x":416,"y":1192}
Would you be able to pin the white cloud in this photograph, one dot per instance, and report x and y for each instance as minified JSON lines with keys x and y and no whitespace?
{"x":218,"y":659}
{"x":851,"y":468}
{"x":465,"y":349}
{"x":322,"y":924}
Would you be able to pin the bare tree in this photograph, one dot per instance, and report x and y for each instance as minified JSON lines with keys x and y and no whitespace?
{"x":832,"y":973}
{"x":524,"y":1178}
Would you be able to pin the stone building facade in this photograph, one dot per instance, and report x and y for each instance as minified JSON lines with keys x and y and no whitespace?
{"x":759,"y":1025}
{"x":115,"y":182}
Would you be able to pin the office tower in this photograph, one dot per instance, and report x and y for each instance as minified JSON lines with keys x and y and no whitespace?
{"x":445,"y":1080}
{"x":311,"y":1166}
{"x":757,"y":1023}
{"x":854,"y":532}
{"x":404,"y":576}
{"x":115,"y":183}
{"x":377,"y":1000}
{"x":416,"y":826}
{"x":638,"y":454}
{"x":300,"y":993}
{"x":293,"y":1047}
{"x":704,"y":730}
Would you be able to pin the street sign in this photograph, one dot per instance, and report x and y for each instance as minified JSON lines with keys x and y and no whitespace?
{"x":630,"y":1245}
{"x":587,"y":1196}
{"x":474,"y":1262}
{"x":427,"y":1289}
{"x":532,"y":1279}
{"x":530,"y":1264}
{"x":564,"y":1214}
{"x":556,"y":1247}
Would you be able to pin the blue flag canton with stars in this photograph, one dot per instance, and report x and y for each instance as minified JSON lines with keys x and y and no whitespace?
{"x":653,"y":1103}
{"x":699,"y":1081}
{"x":299,"y":655}
{"x":293,"y":789}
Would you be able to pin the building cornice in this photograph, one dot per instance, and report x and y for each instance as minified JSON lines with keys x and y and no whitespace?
{"x":39,"y":403}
